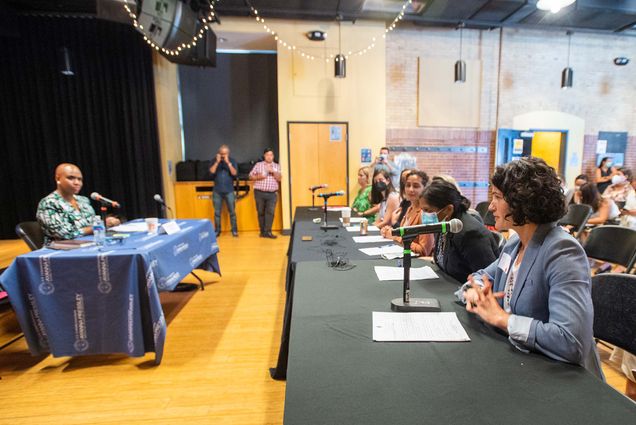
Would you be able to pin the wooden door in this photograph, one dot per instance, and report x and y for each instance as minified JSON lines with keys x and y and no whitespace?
{"x":317,"y":154}
{"x":549,"y":145}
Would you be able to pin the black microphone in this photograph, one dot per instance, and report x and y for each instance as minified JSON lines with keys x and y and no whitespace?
{"x":318,"y":186}
{"x":330,"y":194}
{"x":99,"y":198}
{"x":453,"y":226}
{"x":158,"y":199}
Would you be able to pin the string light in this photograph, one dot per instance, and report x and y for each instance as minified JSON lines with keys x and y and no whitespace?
{"x":207,"y":19}
{"x":303,"y":54}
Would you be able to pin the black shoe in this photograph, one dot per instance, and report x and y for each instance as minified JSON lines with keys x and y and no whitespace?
{"x":270,"y":235}
{"x":218,"y":233}
{"x":235,"y":234}
{"x":261,"y":235}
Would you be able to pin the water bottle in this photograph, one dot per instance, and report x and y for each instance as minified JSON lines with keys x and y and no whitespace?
{"x":99,"y":231}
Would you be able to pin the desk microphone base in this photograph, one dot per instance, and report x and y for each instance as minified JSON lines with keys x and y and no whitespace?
{"x":329,"y":226}
{"x":416,"y":304}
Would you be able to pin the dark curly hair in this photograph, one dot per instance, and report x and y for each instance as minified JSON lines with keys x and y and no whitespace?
{"x":532,"y":190}
{"x":441,"y":193}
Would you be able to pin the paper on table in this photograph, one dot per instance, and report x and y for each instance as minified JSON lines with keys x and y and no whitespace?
{"x":370,"y":239}
{"x":354,"y":219}
{"x":442,"y":327}
{"x":357,"y":229}
{"x":131,"y":227}
{"x":387,"y":250}
{"x":397,"y":273}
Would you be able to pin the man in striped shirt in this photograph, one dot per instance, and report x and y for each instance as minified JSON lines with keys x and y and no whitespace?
{"x":266,"y":176}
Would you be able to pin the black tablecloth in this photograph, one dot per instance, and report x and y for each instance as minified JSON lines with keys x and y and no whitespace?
{"x":337,"y":241}
{"x":338,"y":375}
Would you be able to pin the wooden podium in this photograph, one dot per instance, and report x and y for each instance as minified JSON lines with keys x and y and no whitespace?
{"x":194,"y":200}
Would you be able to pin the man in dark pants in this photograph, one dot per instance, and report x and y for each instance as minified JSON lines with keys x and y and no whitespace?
{"x":224,"y":172}
{"x":266,"y":176}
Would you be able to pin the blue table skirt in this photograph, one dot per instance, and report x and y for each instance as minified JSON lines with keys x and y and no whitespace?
{"x":105,"y":300}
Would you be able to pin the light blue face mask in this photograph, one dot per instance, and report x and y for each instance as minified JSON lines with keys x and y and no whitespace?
{"x":429,"y":218}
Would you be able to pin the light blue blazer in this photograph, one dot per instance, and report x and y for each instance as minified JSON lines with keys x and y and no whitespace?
{"x":552,"y":294}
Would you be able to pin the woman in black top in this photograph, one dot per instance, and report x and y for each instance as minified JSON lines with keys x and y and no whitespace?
{"x":463,"y":253}
{"x":604,"y":174}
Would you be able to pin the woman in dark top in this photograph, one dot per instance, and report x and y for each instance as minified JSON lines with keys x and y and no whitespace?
{"x":463,"y":253}
{"x":604,"y":174}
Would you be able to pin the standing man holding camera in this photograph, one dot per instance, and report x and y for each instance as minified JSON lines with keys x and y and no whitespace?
{"x":266,"y":175}
{"x":224,"y":172}
{"x":382,"y":162}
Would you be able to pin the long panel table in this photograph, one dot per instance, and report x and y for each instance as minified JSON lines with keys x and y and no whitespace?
{"x":337,"y":241}
{"x":100,"y":300}
{"x":338,"y":375}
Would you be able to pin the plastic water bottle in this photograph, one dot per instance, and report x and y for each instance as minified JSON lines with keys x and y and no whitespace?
{"x":99,"y":231}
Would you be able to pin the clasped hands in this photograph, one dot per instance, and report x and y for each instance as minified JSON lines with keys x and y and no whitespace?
{"x":483,"y":302}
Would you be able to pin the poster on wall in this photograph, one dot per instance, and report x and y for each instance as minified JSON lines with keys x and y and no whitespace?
{"x":611,"y":144}
{"x":365,"y":155}
{"x":517,"y":148}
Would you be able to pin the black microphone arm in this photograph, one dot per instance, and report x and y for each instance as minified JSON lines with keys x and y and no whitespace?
{"x":330,"y":194}
{"x":453,"y":226}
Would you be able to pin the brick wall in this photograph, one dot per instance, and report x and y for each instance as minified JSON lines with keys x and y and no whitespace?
{"x":526,"y":80}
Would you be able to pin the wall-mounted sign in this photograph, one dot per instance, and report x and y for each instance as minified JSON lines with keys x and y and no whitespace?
{"x":365,"y":155}
{"x":335,"y":133}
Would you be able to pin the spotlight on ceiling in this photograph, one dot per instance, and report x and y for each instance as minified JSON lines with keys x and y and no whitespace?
{"x":316,"y":35}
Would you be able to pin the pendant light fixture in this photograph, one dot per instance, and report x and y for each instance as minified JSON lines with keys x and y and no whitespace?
{"x":460,"y":65}
{"x":567,"y":75}
{"x":340,"y":64}
{"x":553,"y":6}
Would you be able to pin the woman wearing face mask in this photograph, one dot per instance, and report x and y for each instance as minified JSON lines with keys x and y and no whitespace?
{"x":384,"y":195}
{"x":604,"y":174}
{"x":458,"y":254}
{"x":621,"y":185}
{"x":603,"y":209}
{"x":413,"y":188}
{"x":400,"y":212}
{"x":628,"y":213}
{"x":539,"y":290}
{"x":362,"y":204}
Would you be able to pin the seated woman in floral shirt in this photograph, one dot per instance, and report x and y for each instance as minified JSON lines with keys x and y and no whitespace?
{"x":63,"y":214}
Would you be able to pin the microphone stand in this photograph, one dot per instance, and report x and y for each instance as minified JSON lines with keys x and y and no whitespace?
{"x":313,"y":200}
{"x":326,"y":226}
{"x":406,"y":303}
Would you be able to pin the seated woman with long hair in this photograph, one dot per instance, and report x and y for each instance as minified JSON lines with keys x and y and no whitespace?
{"x":603,"y":209}
{"x":384,"y":195}
{"x":463,"y":253}
{"x":413,"y":188}
{"x":362,"y":205}
{"x":399,"y":213}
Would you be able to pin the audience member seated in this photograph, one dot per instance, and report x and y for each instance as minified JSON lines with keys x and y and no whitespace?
{"x":579,"y":181}
{"x":621,"y":185}
{"x":603,"y":174}
{"x":603,"y":209}
{"x":384,"y":195}
{"x":458,"y":254}
{"x":399,"y":213}
{"x":539,"y":290}
{"x":413,"y":188}
{"x":628,"y":213}
{"x":362,"y":205}
{"x":451,"y":180}
{"x":63,"y":214}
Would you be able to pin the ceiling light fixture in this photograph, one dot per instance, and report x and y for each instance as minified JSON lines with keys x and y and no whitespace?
{"x":553,"y":6}
{"x":340,"y":63}
{"x":460,"y":65}
{"x":567,"y":75}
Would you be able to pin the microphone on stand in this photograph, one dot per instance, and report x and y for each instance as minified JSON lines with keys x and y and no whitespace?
{"x":408,"y":234}
{"x":453,"y":226}
{"x":105,"y":201}
{"x":330,"y":194}
{"x":161,"y":202}
{"x":318,"y":186}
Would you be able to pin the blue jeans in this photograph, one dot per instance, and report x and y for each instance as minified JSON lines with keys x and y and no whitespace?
{"x":230,"y":202}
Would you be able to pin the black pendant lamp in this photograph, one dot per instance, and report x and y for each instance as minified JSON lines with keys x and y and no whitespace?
{"x":567,"y":75}
{"x":460,"y":65}
{"x":340,"y":64}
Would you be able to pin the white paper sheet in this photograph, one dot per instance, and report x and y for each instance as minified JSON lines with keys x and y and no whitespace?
{"x":131,"y":227}
{"x":370,"y":239}
{"x":354,"y":219}
{"x":357,"y":229}
{"x":389,"y":251}
{"x":397,"y":273}
{"x":442,"y":327}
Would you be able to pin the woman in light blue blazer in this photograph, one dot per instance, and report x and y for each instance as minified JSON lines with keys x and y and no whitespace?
{"x":539,"y":289}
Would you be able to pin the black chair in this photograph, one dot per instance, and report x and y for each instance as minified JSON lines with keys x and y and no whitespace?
{"x":614,"y":244}
{"x":31,"y":233}
{"x":577,"y":217}
{"x":482,"y":208}
{"x":614,"y":298}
